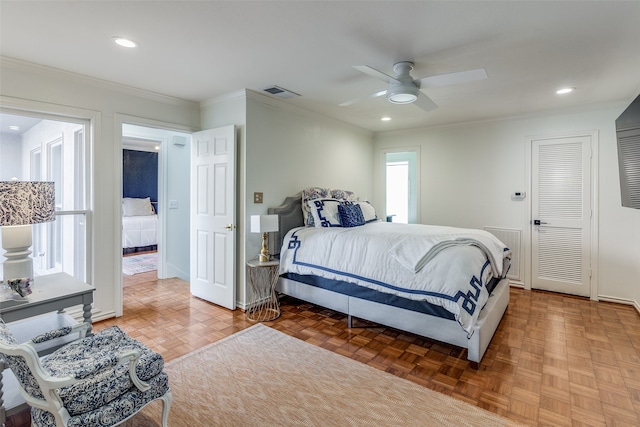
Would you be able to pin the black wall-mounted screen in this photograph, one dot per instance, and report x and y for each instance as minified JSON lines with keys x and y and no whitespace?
{"x":628,"y":136}
{"x":140,"y":174}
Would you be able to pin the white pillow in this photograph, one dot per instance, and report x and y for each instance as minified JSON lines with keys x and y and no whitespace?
{"x":325,"y":212}
{"x":136,"y":207}
{"x":368,"y":211}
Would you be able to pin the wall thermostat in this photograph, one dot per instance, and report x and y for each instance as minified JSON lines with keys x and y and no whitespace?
{"x":518,"y":195}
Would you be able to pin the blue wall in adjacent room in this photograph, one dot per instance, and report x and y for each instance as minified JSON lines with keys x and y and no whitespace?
{"x":140,"y":174}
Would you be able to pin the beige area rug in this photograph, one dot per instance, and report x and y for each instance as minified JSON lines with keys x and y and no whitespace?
{"x":263,"y":377}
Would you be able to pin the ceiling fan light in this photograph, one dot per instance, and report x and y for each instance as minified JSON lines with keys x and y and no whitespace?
{"x":402,"y":98}
{"x":402,"y":94}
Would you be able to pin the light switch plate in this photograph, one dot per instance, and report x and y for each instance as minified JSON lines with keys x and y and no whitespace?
{"x":257,"y":197}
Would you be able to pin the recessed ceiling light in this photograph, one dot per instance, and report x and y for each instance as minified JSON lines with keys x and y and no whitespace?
{"x":14,"y":127}
{"x":385,"y":119}
{"x":157,"y":147}
{"x":124,"y":42}
{"x":565,"y":90}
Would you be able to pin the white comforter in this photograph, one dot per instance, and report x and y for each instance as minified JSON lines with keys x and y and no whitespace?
{"x":445,"y":266}
{"x":139,"y":231}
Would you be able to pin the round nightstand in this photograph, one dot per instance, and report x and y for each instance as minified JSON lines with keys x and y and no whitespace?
{"x":262,"y":303}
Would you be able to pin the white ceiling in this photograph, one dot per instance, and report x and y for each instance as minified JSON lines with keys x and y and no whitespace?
{"x":199,"y":50}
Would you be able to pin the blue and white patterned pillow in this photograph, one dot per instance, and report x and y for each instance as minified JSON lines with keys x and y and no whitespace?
{"x":324,"y":212}
{"x":309,"y":194}
{"x":350,"y":215}
{"x":313,"y":193}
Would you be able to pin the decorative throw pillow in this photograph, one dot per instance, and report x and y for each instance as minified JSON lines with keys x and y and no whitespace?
{"x":325,"y":212}
{"x":309,"y":194}
{"x":136,"y":207}
{"x":343,"y":195}
{"x":350,"y":215}
{"x":368,"y":211}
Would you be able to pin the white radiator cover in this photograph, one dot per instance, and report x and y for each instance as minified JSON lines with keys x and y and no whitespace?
{"x":512,"y":238}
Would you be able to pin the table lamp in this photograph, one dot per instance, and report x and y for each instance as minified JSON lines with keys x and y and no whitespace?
{"x":22,"y":203}
{"x":264,"y":224}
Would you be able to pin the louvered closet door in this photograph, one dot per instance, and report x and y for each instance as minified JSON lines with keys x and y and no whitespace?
{"x":561,"y":203}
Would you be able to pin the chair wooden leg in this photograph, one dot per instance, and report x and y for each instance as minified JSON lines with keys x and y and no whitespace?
{"x":166,"y":405}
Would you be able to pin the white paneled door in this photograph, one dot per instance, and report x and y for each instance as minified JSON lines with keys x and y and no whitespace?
{"x":213,"y":216}
{"x":561,"y":215}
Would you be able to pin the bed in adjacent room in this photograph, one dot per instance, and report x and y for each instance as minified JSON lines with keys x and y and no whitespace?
{"x":139,"y":225}
{"x":444,"y":283}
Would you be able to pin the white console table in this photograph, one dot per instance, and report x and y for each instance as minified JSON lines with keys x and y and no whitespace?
{"x":43,"y":311}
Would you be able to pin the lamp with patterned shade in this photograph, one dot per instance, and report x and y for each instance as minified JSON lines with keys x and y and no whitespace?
{"x":22,"y":203}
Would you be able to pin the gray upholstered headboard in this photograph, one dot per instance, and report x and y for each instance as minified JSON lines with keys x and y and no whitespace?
{"x":289,"y":216}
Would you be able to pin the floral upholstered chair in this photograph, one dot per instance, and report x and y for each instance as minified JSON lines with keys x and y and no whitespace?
{"x":100,"y":380}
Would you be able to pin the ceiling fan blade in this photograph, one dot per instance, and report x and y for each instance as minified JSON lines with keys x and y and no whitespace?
{"x":453,"y":78}
{"x":425,"y":102}
{"x":355,"y":101}
{"x":375,"y":73}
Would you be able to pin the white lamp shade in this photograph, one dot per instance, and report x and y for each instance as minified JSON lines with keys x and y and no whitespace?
{"x":264,"y":223}
{"x":25,"y":202}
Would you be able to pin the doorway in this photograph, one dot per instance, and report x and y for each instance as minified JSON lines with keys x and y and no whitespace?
{"x":140,"y":206}
{"x":160,"y":161}
{"x":401,"y":175}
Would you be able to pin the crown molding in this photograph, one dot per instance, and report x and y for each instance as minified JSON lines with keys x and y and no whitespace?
{"x":578,"y":109}
{"x":25,"y":66}
{"x":233,"y":96}
{"x":283,"y":105}
{"x":253,"y":95}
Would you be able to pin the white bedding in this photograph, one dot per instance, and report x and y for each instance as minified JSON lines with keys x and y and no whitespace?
{"x":445,"y":266}
{"x":139,"y":231}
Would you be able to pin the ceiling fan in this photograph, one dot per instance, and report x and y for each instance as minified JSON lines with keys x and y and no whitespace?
{"x":403,"y":89}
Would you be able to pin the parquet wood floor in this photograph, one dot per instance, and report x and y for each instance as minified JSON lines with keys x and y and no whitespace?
{"x":555,"y":360}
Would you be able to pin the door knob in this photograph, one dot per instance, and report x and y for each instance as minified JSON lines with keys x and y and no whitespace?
{"x":538,"y":222}
{"x":229,"y":227}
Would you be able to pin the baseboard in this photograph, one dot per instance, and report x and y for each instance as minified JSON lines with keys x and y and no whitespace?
{"x":516,"y":284}
{"x":620,"y":301}
{"x":97,"y":316}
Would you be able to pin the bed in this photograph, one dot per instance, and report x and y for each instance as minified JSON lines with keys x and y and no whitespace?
{"x":139,"y":225}
{"x":327,"y":264}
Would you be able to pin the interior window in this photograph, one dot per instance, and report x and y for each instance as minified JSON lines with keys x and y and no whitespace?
{"x":47,"y":148}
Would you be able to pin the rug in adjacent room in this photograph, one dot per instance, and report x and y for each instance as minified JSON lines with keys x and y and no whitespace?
{"x":135,"y":264}
{"x":263,"y":377}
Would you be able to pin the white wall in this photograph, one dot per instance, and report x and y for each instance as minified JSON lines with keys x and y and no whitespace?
{"x":286,"y":149}
{"x":30,"y":86}
{"x":289,"y":149}
{"x":469,"y":172}
{"x":10,"y":150}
